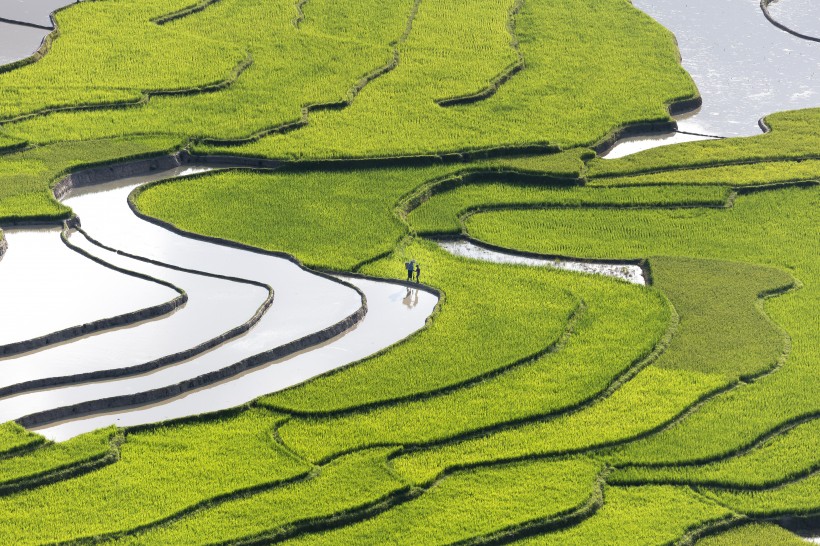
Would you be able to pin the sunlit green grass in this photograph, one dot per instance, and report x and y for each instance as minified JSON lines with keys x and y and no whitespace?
{"x":475,"y":503}
{"x":801,"y":497}
{"x":638,"y":516}
{"x":589,"y":68}
{"x":794,"y":135}
{"x":13,"y":438}
{"x":109,"y":52}
{"x":26,"y":177}
{"x":343,"y":485}
{"x":772,"y":228}
{"x":54,"y":458}
{"x":483,"y":304}
{"x":731,"y":175}
{"x":617,"y":327}
{"x":753,"y":534}
{"x":161,"y":472}
{"x":779,"y":459}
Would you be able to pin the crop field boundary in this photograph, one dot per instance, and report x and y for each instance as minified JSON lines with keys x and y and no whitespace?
{"x":201,"y":5}
{"x":25,"y":24}
{"x":503,"y":76}
{"x":82,"y":330}
{"x":700,"y":166}
{"x":764,"y":6}
{"x":163,"y":361}
{"x":65,"y":472}
{"x":354,"y":91}
{"x":578,"y":310}
{"x":649,"y":127}
{"x":698,"y":532}
{"x":144,"y":98}
{"x":170,"y":391}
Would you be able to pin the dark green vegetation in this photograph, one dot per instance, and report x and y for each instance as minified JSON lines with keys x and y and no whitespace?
{"x":537,"y":406}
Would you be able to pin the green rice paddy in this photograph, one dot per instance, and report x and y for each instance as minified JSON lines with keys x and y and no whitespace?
{"x":537,"y":406}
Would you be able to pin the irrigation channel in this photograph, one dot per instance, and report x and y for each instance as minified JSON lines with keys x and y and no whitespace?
{"x":744,"y":66}
{"x":217,"y":326}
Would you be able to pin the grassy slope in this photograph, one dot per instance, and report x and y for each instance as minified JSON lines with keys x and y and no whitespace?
{"x":336,"y":45}
{"x":475,"y":503}
{"x":760,"y":228}
{"x":13,"y":438}
{"x":600,"y":65}
{"x":638,"y":516}
{"x":26,"y":177}
{"x":781,"y":458}
{"x":617,"y":327}
{"x":526,"y":310}
{"x":754,"y":534}
{"x":341,"y":486}
{"x":115,"y":42}
{"x":716,"y":343}
{"x":794,"y":135}
{"x":161,"y":472}
{"x":54,"y":458}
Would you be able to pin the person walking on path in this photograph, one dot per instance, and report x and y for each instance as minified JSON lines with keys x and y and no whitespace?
{"x":409,"y":266}
{"x":418,"y":271}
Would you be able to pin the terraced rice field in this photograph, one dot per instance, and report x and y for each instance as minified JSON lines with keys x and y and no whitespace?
{"x":206,"y":331}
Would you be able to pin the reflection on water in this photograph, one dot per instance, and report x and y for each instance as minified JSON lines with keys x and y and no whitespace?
{"x":17,"y":42}
{"x":744,"y":67}
{"x":31,"y":11}
{"x":626,"y":272}
{"x":39,"y":272}
{"x":387,"y":322}
{"x":627,"y":146}
{"x":802,"y":16}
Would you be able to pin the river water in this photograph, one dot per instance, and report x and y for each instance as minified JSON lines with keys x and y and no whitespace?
{"x":744,"y":67}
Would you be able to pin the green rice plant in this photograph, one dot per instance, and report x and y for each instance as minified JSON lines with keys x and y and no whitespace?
{"x":753,"y":534}
{"x":117,"y":43}
{"x":769,"y":228}
{"x":26,"y":177}
{"x":796,"y":498}
{"x":639,"y":516}
{"x":618,"y":326}
{"x":754,"y":174}
{"x":335,"y":50}
{"x":344,"y":485}
{"x":721,"y":331}
{"x":660,"y":394}
{"x":794,"y":135}
{"x":601,"y":66}
{"x":475,"y":503}
{"x":482,"y":304}
{"x":328,"y":219}
{"x":780,"y":458}
{"x":443,"y":213}
{"x":162,"y":471}
{"x":15,"y":438}
{"x":52,"y":459}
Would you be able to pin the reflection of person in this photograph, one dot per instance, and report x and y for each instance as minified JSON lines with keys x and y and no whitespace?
{"x":411,"y":299}
{"x":418,"y":271}
{"x":409,"y":267}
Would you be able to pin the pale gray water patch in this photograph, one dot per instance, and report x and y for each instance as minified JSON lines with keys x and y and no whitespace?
{"x":631,"y":145}
{"x":304,"y":303}
{"x":394,"y":312}
{"x":744,"y":67}
{"x":627,"y":272}
{"x":801,"y":16}
{"x":18,"y":42}
{"x":46,"y":287}
{"x":213,"y":307}
{"x":37,"y":12}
